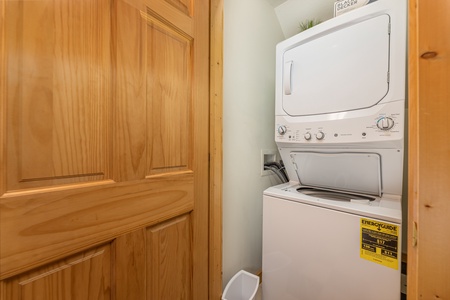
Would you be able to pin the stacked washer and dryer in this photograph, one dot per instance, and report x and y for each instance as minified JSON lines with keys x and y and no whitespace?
{"x":334,"y":231}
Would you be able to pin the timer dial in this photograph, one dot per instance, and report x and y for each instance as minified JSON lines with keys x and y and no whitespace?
{"x":385,"y":123}
{"x":282,"y":130}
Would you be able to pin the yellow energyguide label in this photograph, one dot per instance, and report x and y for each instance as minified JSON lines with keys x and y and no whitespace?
{"x":379,"y":242}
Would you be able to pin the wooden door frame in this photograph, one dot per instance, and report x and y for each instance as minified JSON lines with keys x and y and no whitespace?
{"x":428,"y":189}
{"x":412,"y":148}
{"x":216,"y":149}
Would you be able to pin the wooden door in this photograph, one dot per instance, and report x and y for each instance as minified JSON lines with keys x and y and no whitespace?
{"x":104,"y":159}
{"x":429,"y":148}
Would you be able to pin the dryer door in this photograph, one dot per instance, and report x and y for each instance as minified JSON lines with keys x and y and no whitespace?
{"x":338,"y":70}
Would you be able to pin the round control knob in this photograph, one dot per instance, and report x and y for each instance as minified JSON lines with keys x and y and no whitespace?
{"x":320,"y":135}
{"x":281,"y":130}
{"x":385,"y":123}
{"x":307,"y":136}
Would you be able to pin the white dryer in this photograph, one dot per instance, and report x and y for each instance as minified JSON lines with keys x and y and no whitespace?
{"x":334,"y":231}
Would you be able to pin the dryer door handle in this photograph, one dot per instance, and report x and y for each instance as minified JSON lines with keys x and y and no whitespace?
{"x":287,"y":73}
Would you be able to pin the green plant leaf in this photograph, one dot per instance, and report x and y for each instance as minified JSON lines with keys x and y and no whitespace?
{"x":308,"y":24}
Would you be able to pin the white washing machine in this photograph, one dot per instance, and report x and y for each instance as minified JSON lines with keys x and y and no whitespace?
{"x":334,"y":231}
{"x":330,"y":246}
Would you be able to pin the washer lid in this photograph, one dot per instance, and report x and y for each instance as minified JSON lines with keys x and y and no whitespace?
{"x":338,"y":70}
{"x":346,"y":171}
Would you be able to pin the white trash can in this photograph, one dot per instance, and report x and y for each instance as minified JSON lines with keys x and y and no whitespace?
{"x":243,"y":286}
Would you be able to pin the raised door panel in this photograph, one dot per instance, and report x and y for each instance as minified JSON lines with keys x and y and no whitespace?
{"x":131,"y":265}
{"x":160,"y":63}
{"x":58,"y":92}
{"x":169,"y":99}
{"x":170,"y":260}
{"x":155,"y":262}
{"x":84,"y":276}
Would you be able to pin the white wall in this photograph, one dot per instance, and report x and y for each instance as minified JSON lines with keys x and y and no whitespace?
{"x":251,"y":31}
{"x":292,"y":12}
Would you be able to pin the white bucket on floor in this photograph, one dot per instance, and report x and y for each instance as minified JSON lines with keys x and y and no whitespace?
{"x":243,"y":286}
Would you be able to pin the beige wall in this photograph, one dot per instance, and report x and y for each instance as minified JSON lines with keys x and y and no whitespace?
{"x":292,"y":12}
{"x":251,"y":31}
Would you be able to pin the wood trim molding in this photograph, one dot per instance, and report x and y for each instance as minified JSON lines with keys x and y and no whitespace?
{"x":216,"y":152}
{"x":412,"y":148}
{"x":429,"y":208}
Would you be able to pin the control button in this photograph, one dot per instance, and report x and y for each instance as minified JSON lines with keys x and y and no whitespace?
{"x":307,"y":136}
{"x":282,"y":130}
{"x":320,"y":135}
{"x":385,"y":123}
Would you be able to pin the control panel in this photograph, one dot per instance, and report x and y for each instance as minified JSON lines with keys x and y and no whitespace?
{"x":379,"y":127}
